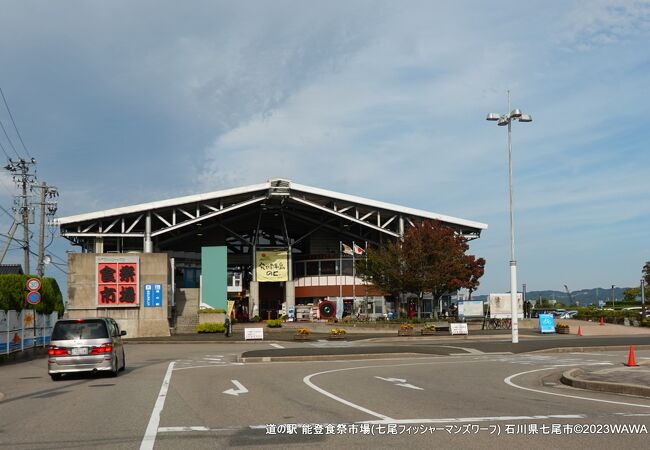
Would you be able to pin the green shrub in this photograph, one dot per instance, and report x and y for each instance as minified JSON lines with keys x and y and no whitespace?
{"x":212,"y":310}
{"x":211,"y":327}
{"x":277,"y":323}
{"x":255,"y":319}
{"x":13,"y":290}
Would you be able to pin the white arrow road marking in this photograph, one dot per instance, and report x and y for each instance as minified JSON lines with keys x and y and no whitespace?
{"x":392,"y":380}
{"x":400,"y":382}
{"x":240,"y":389}
{"x":276,"y":345}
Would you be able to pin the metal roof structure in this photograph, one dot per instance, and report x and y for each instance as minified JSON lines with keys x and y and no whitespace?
{"x":239,"y":211}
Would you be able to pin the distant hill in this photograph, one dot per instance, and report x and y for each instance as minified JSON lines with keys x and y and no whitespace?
{"x":583,"y":297}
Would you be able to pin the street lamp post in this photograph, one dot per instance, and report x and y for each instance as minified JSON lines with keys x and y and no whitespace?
{"x":502,"y":120}
{"x":613,"y":298}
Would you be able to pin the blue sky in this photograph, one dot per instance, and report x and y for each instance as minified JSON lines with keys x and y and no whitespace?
{"x":123,"y":102}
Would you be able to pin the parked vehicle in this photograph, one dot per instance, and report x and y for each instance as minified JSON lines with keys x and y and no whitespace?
{"x":568,"y":314}
{"x":86,"y":345}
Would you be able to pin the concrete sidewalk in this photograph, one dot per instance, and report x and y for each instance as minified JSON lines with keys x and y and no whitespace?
{"x":617,"y":380}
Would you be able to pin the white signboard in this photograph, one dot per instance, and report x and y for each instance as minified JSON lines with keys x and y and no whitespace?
{"x":472,"y":308}
{"x":253,"y":333}
{"x":458,"y":328}
{"x":500,"y":306}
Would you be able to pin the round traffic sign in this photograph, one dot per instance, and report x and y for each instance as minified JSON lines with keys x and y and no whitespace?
{"x":33,"y":284}
{"x":33,"y":297}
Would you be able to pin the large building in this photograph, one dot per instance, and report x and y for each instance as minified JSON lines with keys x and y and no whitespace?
{"x":275,"y":248}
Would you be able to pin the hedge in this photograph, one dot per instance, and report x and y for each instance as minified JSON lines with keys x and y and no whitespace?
{"x":13,"y":291}
{"x":211,"y":327}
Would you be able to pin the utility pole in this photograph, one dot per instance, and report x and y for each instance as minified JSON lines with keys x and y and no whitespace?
{"x":46,"y":192}
{"x":22,"y":177}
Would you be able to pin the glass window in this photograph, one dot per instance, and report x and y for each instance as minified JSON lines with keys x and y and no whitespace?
{"x":347,"y":267}
{"x":328,"y":267}
{"x":312,"y":268}
{"x":299,"y":270}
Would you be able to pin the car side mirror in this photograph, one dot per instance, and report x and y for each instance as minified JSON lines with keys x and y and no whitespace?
{"x":123,"y":333}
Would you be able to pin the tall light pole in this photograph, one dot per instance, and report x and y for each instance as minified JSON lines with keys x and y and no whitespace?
{"x":613,"y":298}
{"x":502,"y":120}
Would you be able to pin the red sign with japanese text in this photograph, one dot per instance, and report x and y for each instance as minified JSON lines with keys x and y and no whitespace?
{"x":117,"y":281}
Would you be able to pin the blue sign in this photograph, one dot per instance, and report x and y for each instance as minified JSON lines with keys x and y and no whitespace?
{"x":152,"y":295}
{"x":33,"y":297}
{"x":546,"y":323}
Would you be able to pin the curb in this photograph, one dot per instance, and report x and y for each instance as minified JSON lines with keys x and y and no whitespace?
{"x":602,"y":348}
{"x":571,"y":378}
{"x":332,"y":357}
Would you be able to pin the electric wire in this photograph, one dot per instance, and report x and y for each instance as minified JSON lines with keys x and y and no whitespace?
{"x":9,"y":139}
{"x":11,"y":116}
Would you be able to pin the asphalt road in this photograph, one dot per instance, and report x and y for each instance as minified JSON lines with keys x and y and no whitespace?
{"x":199,"y":396}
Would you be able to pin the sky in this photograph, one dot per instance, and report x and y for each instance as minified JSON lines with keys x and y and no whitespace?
{"x":127,"y":102}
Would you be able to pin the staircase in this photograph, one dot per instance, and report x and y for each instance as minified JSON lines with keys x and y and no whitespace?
{"x":187,"y":310}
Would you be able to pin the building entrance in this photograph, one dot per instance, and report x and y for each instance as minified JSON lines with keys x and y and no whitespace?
{"x":271,"y":298}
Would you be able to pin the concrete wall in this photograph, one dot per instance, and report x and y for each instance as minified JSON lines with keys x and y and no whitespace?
{"x":138,"y":321}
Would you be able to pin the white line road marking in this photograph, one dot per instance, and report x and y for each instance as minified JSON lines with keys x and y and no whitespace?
{"x":478,"y":419}
{"x":240,"y":389}
{"x":276,"y":345}
{"x":179,"y":429}
{"x":152,"y":428}
{"x":470,"y":351}
{"x":212,"y":359}
{"x":307,"y":381}
{"x":400,"y":382}
{"x":508,"y":381}
{"x":392,"y":380}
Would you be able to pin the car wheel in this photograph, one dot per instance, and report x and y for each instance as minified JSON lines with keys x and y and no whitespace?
{"x":55,"y":376}
{"x":123,"y":361}
{"x":114,"y":368}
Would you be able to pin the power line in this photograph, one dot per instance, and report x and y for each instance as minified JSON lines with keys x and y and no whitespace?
{"x":4,"y":151}
{"x":8,"y":139}
{"x":14,"y":122}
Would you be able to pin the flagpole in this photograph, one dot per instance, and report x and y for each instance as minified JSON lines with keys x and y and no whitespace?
{"x":354,"y":275}
{"x":340,"y":269}
{"x":365,"y":282}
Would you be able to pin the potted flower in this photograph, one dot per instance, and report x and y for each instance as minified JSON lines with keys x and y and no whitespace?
{"x":405,"y":329}
{"x":302,"y":334}
{"x":562,"y":328}
{"x":337,"y":334}
{"x":428,"y":329}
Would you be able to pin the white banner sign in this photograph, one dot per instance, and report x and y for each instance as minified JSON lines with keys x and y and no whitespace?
{"x":458,"y":328}
{"x":472,"y":308}
{"x":500,"y":306}
{"x":253,"y":333}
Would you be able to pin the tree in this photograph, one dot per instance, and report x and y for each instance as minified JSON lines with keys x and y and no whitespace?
{"x":13,"y":291}
{"x":430,"y":258}
{"x":646,"y":273}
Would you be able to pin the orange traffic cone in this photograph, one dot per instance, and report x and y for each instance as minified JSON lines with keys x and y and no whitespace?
{"x":602,"y":321}
{"x":631,"y":362}
{"x":579,"y":331}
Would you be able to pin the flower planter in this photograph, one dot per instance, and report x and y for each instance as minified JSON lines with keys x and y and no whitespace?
{"x":300,"y":337}
{"x":428,"y":332}
{"x":336,"y":337}
{"x":562,"y":330}
{"x":405,"y":333}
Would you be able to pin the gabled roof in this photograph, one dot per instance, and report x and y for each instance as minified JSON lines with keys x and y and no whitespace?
{"x":168,"y":216}
{"x":272,"y":183}
{"x":11,"y":269}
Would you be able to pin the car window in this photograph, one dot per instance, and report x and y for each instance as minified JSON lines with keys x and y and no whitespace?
{"x":79,"y":329}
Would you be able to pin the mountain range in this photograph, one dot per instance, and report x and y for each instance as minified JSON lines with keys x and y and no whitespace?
{"x":582,"y":297}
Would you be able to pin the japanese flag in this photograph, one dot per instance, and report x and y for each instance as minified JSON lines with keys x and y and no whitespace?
{"x":358,"y":250}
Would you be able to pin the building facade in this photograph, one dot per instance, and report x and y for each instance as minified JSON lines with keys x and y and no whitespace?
{"x":286,"y":248}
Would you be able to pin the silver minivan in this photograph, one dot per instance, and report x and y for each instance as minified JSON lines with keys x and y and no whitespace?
{"x":86,"y":345}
